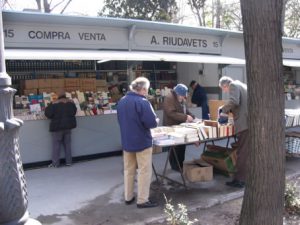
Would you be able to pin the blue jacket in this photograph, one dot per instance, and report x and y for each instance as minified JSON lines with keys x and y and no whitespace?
{"x":136,"y":116}
{"x":199,"y":98}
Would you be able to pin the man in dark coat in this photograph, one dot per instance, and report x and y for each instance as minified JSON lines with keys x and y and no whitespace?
{"x":176,"y":112}
{"x":199,"y":98}
{"x":62,"y":114}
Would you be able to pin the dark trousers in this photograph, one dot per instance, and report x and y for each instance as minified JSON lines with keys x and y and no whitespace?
{"x":242,"y":155}
{"x":180,"y":152}
{"x":205,"y":112}
{"x":61,"y":138}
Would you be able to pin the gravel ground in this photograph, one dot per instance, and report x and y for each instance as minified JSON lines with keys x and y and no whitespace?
{"x":225,"y":214}
{"x":228,"y":214}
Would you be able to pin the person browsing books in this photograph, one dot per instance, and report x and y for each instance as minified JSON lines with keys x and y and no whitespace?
{"x":199,"y":98}
{"x":136,"y":117}
{"x":175,"y":112}
{"x":62,"y":115}
{"x":237,"y":105}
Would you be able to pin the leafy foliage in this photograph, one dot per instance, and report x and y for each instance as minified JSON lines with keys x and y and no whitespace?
{"x":292,"y":199}
{"x":140,"y":9}
{"x":177,"y":216}
{"x":292,"y":18}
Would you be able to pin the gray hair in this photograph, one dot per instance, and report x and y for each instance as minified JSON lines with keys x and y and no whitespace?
{"x":225,"y":81}
{"x":139,"y":83}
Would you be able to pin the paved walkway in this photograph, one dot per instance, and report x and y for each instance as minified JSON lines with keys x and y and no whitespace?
{"x":92,"y":192}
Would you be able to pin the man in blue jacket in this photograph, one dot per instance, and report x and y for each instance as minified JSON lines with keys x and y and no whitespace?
{"x":199,"y":98}
{"x":136,"y":117}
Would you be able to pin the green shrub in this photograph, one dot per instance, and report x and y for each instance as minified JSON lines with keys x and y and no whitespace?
{"x":292,"y":199}
{"x":177,"y":216}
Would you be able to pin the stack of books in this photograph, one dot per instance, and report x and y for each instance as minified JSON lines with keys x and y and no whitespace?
{"x":292,"y":117}
{"x":190,"y":134}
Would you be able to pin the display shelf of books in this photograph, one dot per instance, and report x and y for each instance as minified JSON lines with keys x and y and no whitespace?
{"x":161,"y":79}
{"x":49,"y":65}
{"x":198,"y":131}
{"x":160,"y":74}
{"x":292,"y":118}
{"x":291,"y":87}
{"x":32,"y":107}
{"x":292,"y":144}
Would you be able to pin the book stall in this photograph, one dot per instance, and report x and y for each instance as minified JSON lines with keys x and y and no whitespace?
{"x":291,"y":84}
{"x":292,"y":136}
{"x":95,"y":88}
{"x":83,"y":92}
{"x":88,"y":103}
{"x":197,"y":132}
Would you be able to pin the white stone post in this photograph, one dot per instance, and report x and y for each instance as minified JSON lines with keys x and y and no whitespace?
{"x":13,"y":191}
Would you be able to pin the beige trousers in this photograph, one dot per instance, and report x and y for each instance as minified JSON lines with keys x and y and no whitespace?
{"x":141,"y":162}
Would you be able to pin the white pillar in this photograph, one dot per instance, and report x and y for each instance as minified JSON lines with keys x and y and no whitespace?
{"x":13,"y":191}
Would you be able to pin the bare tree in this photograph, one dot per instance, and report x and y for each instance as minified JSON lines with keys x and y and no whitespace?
{"x":39,"y":5}
{"x":49,"y":6}
{"x":198,"y":9}
{"x":4,"y":4}
{"x":283,"y":14}
{"x":218,"y":14}
{"x":231,"y":17}
{"x":263,"y":201}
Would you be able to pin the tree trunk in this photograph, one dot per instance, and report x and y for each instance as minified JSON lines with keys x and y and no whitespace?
{"x":39,"y":5}
{"x":47,"y":6}
{"x":263,"y":201}
{"x":67,"y":4}
{"x":218,"y":14}
{"x":203,"y":17}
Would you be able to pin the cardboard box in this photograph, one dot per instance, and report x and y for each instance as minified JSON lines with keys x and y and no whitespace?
{"x":102,"y":88}
{"x":101,"y":83}
{"x":57,"y":83}
{"x":213,"y":108}
{"x":72,"y":82}
{"x":30,"y":91}
{"x":29,"y":84}
{"x":44,"y":83}
{"x":223,"y":159}
{"x":57,"y":90}
{"x":88,"y":88}
{"x":70,"y":89}
{"x":156,"y":149}
{"x":197,"y":170}
{"x":45,"y":90}
{"x":87,"y":82}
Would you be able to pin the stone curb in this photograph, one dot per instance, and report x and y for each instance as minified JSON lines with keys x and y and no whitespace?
{"x":212,"y":202}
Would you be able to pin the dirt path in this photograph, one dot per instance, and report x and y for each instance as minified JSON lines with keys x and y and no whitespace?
{"x":226,"y":214}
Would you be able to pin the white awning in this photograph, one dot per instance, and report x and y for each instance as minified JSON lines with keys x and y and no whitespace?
{"x":40,"y":54}
{"x":291,"y":62}
{"x":197,"y":58}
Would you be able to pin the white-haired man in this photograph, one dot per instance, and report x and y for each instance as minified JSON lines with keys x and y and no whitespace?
{"x":237,"y":105}
{"x":136,"y":117}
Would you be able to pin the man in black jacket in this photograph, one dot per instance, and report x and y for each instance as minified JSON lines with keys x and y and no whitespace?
{"x":62,"y":114}
{"x":199,"y":98}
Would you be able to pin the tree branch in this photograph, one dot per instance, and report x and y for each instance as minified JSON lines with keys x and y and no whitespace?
{"x":57,"y":4}
{"x":62,"y":11}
